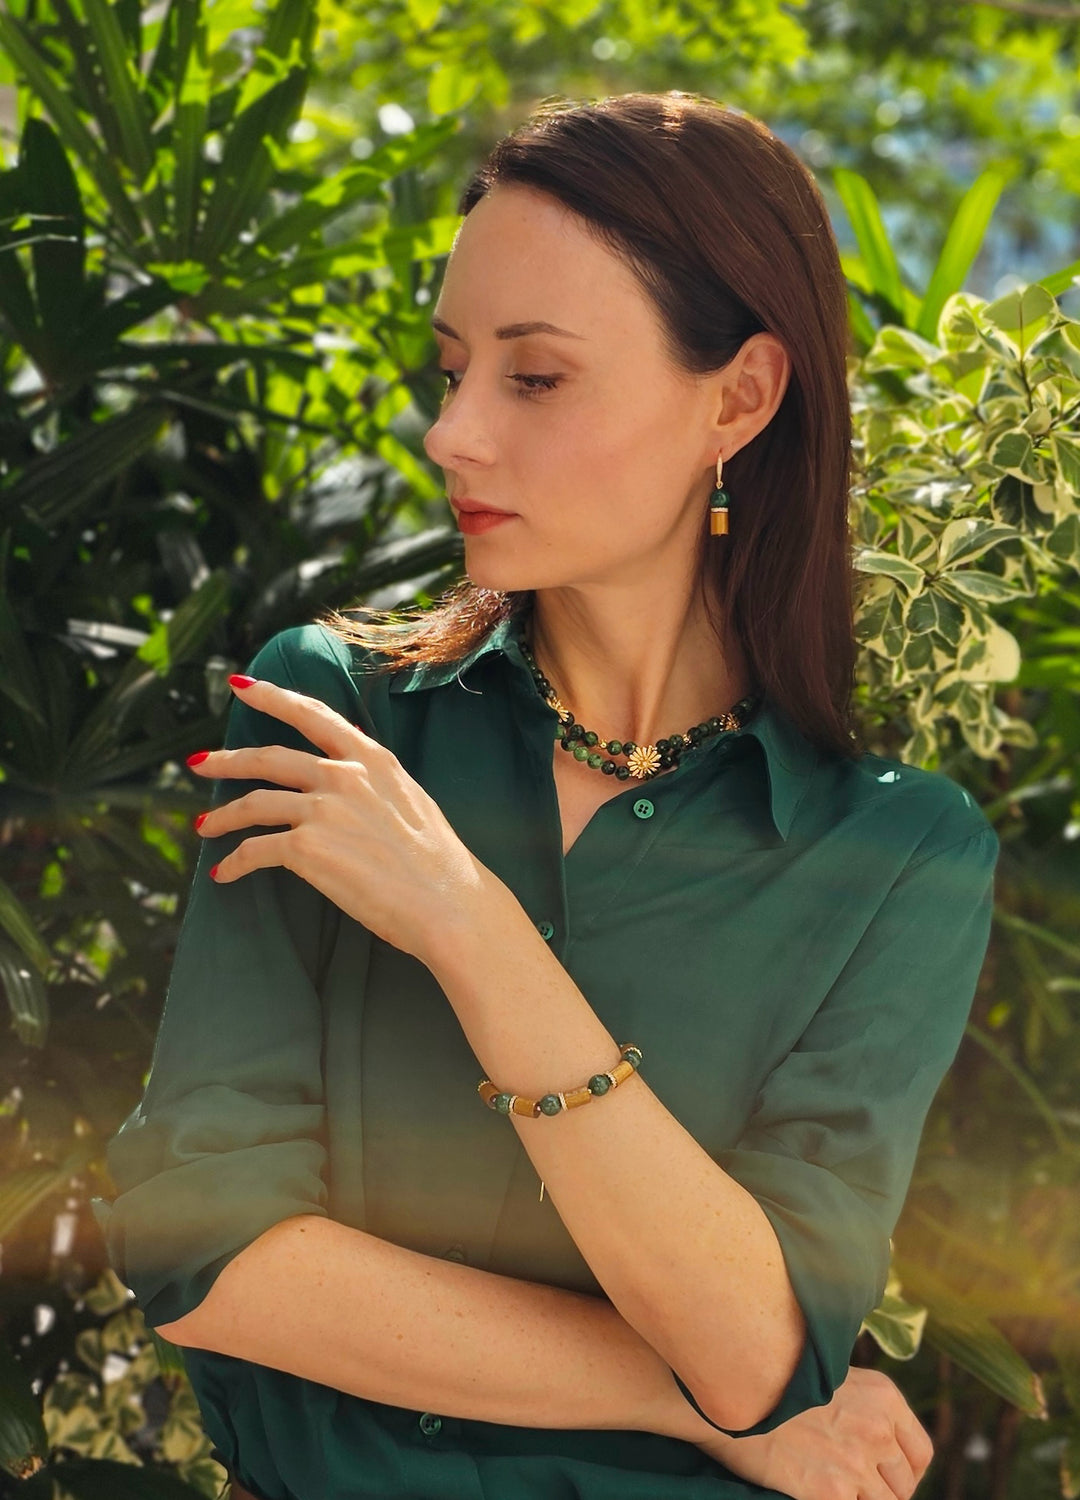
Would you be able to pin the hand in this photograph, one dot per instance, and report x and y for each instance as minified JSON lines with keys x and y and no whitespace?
{"x":361,"y":830}
{"x":866,"y":1444}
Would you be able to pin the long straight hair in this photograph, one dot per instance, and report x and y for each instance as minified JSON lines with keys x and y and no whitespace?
{"x":728,"y":234}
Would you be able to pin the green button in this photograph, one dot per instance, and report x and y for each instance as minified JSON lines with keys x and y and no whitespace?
{"x":455,"y":1252}
{"x":546,"y":929}
{"x":643,"y":807}
{"x":430,"y":1423}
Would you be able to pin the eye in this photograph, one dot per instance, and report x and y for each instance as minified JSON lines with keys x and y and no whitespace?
{"x":530,"y":385}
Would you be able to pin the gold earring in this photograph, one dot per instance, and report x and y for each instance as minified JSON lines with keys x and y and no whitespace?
{"x":718,"y":504}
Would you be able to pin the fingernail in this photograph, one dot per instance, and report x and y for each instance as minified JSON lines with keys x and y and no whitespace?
{"x":238,"y":680}
{"x":213,"y":872}
{"x":198,"y":757}
{"x":200,"y":819}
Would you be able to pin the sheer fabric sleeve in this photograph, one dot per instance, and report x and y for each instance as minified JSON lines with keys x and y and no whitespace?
{"x":228,"y":1137}
{"x":830,"y":1148}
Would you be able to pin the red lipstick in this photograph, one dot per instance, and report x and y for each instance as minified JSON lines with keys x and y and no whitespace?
{"x":472,"y":517}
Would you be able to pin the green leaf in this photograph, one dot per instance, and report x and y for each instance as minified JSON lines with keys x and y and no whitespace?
{"x":65,"y":116}
{"x":871,"y":560}
{"x":60,"y":483}
{"x":28,"y":1003}
{"x":962,"y":244}
{"x":60,"y":257}
{"x":247,"y":167}
{"x":985,"y":588}
{"x":896,"y":1326}
{"x":17,"y":309}
{"x":122,"y":82}
{"x":190,"y":128}
{"x":931,"y":611}
{"x":967,"y":1336}
{"x":1014,"y":453}
{"x":451,"y":86}
{"x":19,"y":925}
{"x":967,"y":538}
{"x":1066,"y":452}
{"x":881,"y":264}
{"x":24,"y":1189}
{"x":1025,"y":312}
{"x":24,"y":1442}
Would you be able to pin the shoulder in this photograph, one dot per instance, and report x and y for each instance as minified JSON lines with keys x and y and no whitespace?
{"x":921,"y":812}
{"x":315,"y":661}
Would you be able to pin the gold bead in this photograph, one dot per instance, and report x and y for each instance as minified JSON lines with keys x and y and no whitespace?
{"x":718,"y":522}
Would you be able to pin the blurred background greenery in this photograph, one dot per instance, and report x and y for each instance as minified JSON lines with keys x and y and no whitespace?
{"x":222,"y":227}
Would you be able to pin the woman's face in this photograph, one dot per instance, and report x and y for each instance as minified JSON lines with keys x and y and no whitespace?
{"x":604,"y":453}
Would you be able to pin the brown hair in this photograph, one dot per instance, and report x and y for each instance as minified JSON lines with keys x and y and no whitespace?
{"x":727,"y":231}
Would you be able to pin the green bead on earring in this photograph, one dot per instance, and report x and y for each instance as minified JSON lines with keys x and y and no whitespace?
{"x":718,"y":505}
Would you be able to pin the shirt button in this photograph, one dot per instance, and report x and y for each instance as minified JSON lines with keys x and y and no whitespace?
{"x":430,"y":1423}
{"x":643,"y":808}
{"x":545,"y":929}
{"x":455,"y":1252}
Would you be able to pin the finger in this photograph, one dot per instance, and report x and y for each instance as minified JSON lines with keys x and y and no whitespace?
{"x":316,"y":720}
{"x":874,"y":1487}
{"x":899,"y":1476}
{"x":295,"y":768}
{"x":260,"y":853}
{"x":268,"y":808}
{"x":915,"y":1442}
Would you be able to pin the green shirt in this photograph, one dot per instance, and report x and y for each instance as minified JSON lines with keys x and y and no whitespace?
{"x":791,"y":938}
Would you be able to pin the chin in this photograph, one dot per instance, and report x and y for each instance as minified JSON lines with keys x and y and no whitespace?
{"x":501,"y":577}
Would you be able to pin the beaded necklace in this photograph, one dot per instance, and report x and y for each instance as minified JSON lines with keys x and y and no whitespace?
{"x":643,"y":761}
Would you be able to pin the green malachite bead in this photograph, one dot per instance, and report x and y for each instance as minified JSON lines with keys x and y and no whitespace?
{"x":599,"y":1083}
{"x":574,"y":736}
{"x":633,"y":1055}
{"x":550,"y":1104}
{"x":720,"y":499}
{"x":501,"y":1102}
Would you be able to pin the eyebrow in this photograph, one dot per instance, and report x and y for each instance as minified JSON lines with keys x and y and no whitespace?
{"x":510,"y":330}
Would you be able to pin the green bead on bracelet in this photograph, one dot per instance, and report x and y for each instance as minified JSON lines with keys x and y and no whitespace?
{"x":630,"y":1058}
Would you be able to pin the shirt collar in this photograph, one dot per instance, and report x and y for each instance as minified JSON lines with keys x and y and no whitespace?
{"x":790,"y":757}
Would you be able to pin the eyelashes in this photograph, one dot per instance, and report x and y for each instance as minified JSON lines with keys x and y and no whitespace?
{"x":528,"y":385}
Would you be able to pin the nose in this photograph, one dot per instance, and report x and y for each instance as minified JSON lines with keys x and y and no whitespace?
{"x":460,"y":434}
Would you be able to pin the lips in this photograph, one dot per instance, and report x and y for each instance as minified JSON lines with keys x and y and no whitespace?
{"x":470,"y":507}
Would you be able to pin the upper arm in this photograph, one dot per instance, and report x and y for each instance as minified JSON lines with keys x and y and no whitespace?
{"x":830,"y":1146}
{"x":228,"y":1137}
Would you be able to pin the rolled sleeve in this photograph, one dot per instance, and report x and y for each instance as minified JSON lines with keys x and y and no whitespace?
{"x":229,"y":1136}
{"x":830,"y":1148}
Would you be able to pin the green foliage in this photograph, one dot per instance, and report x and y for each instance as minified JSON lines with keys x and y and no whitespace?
{"x":968,"y":498}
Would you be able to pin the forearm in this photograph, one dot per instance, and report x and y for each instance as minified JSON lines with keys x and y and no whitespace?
{"x":336,"y":1305}
{"x":685,"y":1253}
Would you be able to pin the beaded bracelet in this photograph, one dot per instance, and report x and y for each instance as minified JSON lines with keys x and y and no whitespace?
{"x":554,"y":1104}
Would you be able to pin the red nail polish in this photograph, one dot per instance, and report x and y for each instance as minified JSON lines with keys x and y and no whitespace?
{"x":213,"y":872}
{"x":198,"y":757}
{"x":200,"y":820}
{"x":238,"y":680}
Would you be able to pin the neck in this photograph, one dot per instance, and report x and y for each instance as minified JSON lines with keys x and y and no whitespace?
{"x":639,"y":675}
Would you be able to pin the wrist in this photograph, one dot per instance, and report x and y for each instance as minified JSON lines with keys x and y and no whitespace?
{"x":482,"y":904}
{"x":676,"y":1418}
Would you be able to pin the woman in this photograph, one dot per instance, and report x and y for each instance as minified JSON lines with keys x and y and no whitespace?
{"x":389,"y":1275}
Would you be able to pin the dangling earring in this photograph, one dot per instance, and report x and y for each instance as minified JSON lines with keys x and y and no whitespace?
{"x":718,"y":505}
